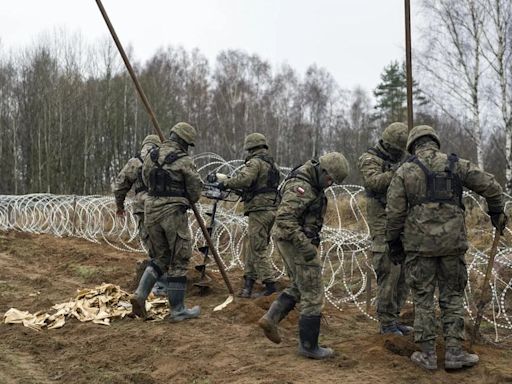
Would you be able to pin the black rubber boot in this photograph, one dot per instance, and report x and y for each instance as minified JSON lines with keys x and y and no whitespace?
{"x":138,"y":300}
{"x":309,"y":330}
{"x":390,"y":329}
{"x":270,"y":288}
{"x":176,"y":296}
{"x":247,"y":289}
{"x":277,"y":312}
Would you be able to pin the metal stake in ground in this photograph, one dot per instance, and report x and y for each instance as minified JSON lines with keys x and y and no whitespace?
{"x":152,"y":115}
{"x":484,"y":297}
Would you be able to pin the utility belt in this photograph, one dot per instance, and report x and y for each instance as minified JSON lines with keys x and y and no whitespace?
{"x":167,"y":193}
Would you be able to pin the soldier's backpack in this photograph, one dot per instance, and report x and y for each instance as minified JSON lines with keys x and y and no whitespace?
{"x":161,"y":181}
{"x":442,"y":187}
{"x":273,"y":178}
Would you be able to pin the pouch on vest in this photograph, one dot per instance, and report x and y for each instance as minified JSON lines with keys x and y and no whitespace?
{"x":161,"y":181}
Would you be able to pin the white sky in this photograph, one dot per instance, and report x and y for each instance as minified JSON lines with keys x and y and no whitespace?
{"x":352,"y":39}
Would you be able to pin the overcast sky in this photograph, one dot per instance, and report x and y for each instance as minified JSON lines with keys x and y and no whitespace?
{"x":352,"y":39}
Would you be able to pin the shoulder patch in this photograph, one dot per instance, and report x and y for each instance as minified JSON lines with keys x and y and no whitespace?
{"x":300,"y":191}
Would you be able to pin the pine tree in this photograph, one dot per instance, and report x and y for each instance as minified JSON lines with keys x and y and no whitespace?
{"x":391,"y":94}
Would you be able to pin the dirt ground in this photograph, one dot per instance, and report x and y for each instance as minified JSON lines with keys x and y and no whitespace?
{"x":220,"y":347}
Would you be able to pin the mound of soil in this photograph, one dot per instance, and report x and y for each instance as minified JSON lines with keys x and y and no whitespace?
{"x":219,"y":347}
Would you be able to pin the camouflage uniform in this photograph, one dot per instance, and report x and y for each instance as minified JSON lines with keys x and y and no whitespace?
{"x":166,"y":216}
{"x":260,"y":207}
{"x":173,"y":183}
{"x":297,"y":232}
{"x":377,"y":167}
{"x":431,"y":226}
{"x":131,"y":176}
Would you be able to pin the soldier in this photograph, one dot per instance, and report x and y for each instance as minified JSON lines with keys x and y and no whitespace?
{"x":258,"y":180}
{"x":377,"y":166}
{"x":173,"y":184}
{"x":425,"y":217}
{"x":297,"y":232}
{"x":131,"y":176}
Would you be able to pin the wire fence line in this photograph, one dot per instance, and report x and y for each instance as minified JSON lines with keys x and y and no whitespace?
{"x":344,"y":247}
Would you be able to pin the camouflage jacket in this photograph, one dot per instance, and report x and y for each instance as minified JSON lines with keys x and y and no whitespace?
{"x":131,"y":176}
{"x":253,"y":176}
{"x":301,"y":213}
{"x":183,"y":171}
{"x":377,"y":173}
{"x":434,"y":228}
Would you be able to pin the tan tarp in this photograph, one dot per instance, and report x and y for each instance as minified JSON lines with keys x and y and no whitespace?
{"x":99,"y":305}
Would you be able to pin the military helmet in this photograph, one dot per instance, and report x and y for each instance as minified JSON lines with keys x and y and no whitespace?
{"x":255,"y":140}
{"x":186,"y":132}
{"x":395,"y":135}
{"x":151,"y":139}
{"x":421,"y":131}
{"x":336,"y":166}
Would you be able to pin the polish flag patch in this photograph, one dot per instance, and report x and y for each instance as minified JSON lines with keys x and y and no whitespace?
{"x":300,"y":191}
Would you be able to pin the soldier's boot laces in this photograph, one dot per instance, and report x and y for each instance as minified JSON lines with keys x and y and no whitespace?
{"x":247,"y":289}
{"x":426,"y":359}
{"x":309,"y":330}
{"x":390,"y":329}
{"x":457,"y":358}
{"x":176,"y":296}
{"x":138,"y":300}
{"x":405,"y":329}
{"x":277,"y":312}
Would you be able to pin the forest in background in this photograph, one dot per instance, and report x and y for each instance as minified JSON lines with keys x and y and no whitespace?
{"x":70,"y":117}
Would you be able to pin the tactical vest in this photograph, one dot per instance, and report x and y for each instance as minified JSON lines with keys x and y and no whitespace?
{"x":442,"y":187}
{"x":271,"y":184}
{"x":313,"y":216}
{"x":141,"y":187}
{"x":163,"y":182}
{"x":386,"y":166}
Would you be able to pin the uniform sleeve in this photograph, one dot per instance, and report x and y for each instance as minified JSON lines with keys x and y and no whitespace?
{"x":193,"y":183}
{"x":125,"y":180}
{"x":373,"y":176}
{"x":245,"y":177}
{"x":296,"y":198}
{"x":483,"y":183}
{"x":396,"y":208}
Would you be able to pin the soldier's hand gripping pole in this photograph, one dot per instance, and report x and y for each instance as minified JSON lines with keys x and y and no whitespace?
{"x":152,"y":115}
{"x":484,"y":297}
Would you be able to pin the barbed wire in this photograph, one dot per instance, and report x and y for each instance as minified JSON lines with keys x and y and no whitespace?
{"x":344,"y":248}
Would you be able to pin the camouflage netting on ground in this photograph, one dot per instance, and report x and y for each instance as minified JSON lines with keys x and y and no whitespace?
{"x":344,"y":247}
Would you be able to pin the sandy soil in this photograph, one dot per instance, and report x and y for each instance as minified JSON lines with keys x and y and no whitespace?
{"x":221,"y":347}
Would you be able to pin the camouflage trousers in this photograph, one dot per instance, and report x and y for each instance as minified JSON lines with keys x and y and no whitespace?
{"x":449,"y":273}
{"x":143,"y":234}
{"x":391,"y":288}
{"x":171,"y":242}
{"x":306,"y":279}
{"x":257,"y":261}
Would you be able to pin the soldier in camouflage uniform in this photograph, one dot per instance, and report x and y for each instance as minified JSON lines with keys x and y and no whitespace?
{"x":377,"y":167}
{"x":425,"y":218}
{"x":297,"y":232}
{"x":173,"y":184}
{"x":131,"y":176}
{"x":258,"y":180}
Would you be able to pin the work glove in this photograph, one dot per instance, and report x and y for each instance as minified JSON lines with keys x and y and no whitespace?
{"x":499,"y":221}
{"x":212,"y":177}
{"x":120,"y":212}
{"x":396,"y":251}
{"x":313,"y":235}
